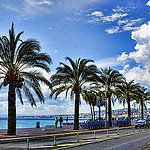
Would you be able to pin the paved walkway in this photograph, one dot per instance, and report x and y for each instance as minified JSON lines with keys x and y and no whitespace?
{"x":32,"y":133}
{"x":37,"y":133}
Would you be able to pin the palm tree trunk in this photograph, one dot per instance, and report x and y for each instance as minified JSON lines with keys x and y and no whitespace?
{"x":11,"y":110}
{"x":109,"y":111}
{"x":91,"y":112}
{"x":76,"y":111}
{"x":99,"y":112}
{"x":129,"y":111}
{"x":94,"y":113}
{"x":142,"y":112}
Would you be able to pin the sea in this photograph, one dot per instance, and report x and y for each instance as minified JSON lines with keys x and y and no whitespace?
{"x":32,"y":122}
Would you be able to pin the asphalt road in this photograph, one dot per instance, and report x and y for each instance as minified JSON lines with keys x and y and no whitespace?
{"x":138,"y":141}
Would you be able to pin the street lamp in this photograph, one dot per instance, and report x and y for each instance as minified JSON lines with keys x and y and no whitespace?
{"x":106,"y":79}
{"x":105,"y":107}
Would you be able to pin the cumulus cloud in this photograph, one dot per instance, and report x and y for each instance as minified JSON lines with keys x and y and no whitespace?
{"x":141,"y":56}
{"x":122,"y":57}
{"x":142,"y":53}
{"x":140,"y":75}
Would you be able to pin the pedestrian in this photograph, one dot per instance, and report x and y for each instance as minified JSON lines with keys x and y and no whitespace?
{"x":56,"y":121}
{"x":67,"y":119}
{"x":60,"y":120}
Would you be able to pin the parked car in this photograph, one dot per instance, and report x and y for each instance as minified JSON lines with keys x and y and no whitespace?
{"x":142,"y":123}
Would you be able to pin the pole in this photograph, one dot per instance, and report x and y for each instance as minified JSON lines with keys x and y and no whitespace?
{"x":99,"y":113}
{"x":54,"y":140}
{"x":77,"y":137}
{"x":27,"y":144}
{"x":146,"y":111}
{"x":105,"y":107}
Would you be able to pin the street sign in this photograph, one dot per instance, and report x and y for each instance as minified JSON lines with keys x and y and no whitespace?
{"x":98,"y":102}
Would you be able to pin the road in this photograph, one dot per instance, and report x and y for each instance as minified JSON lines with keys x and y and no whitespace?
{"x":138,"y":141}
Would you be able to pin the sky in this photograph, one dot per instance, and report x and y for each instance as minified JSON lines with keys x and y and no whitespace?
{"x":115,"y":34}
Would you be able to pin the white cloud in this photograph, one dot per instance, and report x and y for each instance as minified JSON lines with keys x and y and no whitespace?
{"x":120,"y":22}
{"x":126,"y":66}
{"x":123,"y":57}
{"x":119,"y":17}
{"x":113,"y":17}
{"x":107,"y":62}
{"x":55,"y":51}
{"x":112,"y":30}
{"x":97,"y":14}
{"x":3,"y":95}
{"x":29,"y":8}
{"x":142,"y":37}
{"x":141,"y":55}
{"x":131,"y":24}
{"x":118,"y":9}
{"x":148,"y":3}
{"x":139,"y":75}
{"x":34,"y":3}
{"x":110,"y":18}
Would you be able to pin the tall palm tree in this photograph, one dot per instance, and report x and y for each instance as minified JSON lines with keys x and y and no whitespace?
{"x":72,"y":78}
{"x":142,"y":97}
{"x":18,"y":62}
{"x":109,"y":78}
{"x":126,"y":92}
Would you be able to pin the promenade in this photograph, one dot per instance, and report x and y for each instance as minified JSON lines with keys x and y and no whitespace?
{"x":65,"y":137}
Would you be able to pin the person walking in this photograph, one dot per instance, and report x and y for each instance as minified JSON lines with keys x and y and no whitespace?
{"x":56,"y":121}
{"x":67,"y":120}
{"x":60,"y":120}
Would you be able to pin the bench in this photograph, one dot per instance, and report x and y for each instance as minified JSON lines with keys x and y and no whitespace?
{"x":48,"y":128}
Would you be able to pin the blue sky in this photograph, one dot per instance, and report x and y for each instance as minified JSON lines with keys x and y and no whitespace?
{"x":111,"y":33}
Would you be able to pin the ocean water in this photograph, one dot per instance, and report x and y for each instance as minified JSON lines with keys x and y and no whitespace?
{"x":31,"y":123}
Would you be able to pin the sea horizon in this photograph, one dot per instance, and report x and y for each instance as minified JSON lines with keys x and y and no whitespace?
{"x":31,"y":122}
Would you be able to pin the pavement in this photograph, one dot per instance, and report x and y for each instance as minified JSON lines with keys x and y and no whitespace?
{"x":36,"y":133}
{"x":66,"y":137}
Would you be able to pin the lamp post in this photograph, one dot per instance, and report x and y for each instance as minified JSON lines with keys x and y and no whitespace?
{"x":105,"y":107}
{"x":106,"y":76}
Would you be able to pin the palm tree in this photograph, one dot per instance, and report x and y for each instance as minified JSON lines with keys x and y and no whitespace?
{"x":126,"y":92}
{"x":109,"y":78}
{"x":97,"y":89}
{"x":72,"y":78}
{"x":91,"y":99}
{"x":142,"y":97}
{"x":88,"y":100}
{"x":18,"y":62}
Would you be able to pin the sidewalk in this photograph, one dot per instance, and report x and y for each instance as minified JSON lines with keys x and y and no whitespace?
{"x":37,"y":133}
